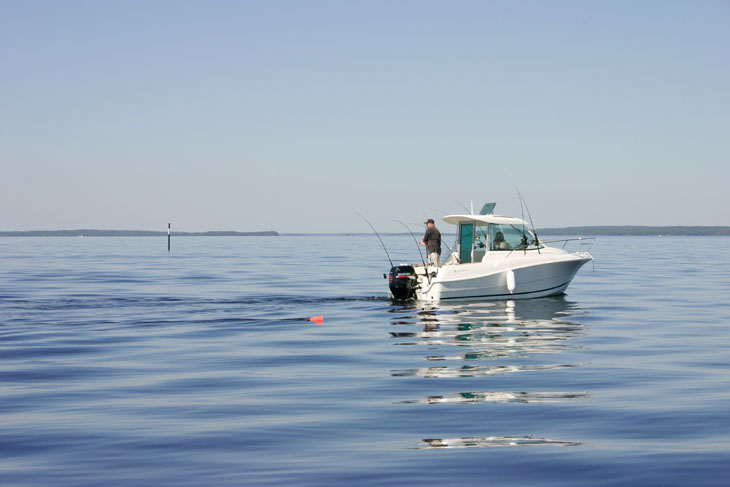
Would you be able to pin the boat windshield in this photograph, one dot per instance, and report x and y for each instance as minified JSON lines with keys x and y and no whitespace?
{"x":509,"y":237}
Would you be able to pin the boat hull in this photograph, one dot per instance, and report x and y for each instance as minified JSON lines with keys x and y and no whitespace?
{"x":521,"y":277}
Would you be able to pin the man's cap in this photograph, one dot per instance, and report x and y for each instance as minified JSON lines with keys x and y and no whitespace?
{"x":430,"y":220}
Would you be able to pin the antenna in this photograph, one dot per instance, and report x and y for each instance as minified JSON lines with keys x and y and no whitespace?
{"x":376,"y":234}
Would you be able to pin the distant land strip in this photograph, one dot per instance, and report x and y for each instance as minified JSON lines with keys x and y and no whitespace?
{"x":586,"y":231}
{"x":636,"y":230}
{"x":133,"y":233}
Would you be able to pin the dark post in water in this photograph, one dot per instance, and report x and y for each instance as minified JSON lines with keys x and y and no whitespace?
{"x":168,"y":237}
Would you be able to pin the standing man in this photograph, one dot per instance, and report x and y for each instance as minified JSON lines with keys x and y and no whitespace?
{"x":432,"y":241}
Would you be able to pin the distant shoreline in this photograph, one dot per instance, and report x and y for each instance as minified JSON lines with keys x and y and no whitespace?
{"x":132,"y":233}
{"x":638,"y":230}
{"x":585,"y":231}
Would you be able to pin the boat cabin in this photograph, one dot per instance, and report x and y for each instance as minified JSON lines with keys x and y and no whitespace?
{"x":479,"y":234}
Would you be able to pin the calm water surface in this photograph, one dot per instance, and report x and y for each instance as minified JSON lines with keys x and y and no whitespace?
{"x":121,"y":364}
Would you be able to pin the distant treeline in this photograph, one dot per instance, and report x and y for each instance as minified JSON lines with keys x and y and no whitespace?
{"x":132,"y":233}
{"x":636,"y":230}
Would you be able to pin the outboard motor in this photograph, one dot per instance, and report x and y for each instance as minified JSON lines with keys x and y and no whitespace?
{"x":403,"y":282}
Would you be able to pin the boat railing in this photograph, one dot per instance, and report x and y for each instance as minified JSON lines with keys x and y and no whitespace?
{"x":572,"y":245}
{"x":577,"y":244}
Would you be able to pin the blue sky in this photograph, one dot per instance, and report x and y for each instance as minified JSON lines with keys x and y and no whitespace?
{"x":293,"y":115}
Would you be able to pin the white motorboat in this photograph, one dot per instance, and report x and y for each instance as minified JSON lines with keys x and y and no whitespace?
{"x":495,"y":257}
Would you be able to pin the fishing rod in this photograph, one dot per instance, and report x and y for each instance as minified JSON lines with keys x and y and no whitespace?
{"x":428,"y":276}
{"x":537,"y":241}
{"x":458,"y":260}
{"x":524,"y":237}
{"x":461,"y":204}
{"x":377,"y":235}
{"x":444,"y":242}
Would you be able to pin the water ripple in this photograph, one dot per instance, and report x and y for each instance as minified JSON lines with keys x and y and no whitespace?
{"x":121,"y":365}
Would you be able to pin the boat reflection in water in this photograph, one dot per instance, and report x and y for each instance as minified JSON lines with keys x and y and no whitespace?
{"x":475,"y":341}
{"x":493,"y":442}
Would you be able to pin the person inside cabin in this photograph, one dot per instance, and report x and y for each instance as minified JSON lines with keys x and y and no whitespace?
{"x":432,"y":241}
{"x":499,"y":242}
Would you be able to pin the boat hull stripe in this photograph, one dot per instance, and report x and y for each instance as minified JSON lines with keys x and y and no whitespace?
{"x":510,"y":294}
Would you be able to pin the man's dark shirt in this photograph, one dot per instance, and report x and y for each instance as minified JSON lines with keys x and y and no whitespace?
{"x":432,"y":238}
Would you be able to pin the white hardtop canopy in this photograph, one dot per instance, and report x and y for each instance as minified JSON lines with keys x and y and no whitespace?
{"x":483,"y":219}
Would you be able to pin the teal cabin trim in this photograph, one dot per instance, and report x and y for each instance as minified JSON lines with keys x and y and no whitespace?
{"x":466,"y":242}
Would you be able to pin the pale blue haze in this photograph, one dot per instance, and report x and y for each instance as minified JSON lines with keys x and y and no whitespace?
{"x":292,"y":115}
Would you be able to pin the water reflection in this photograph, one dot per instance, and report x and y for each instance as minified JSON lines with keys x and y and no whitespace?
{"x":473,"y":370}
{"x":487,"y":332}
{"x":477,"y":340}
{"x":493,"y":441}
{"x":501,"y":397}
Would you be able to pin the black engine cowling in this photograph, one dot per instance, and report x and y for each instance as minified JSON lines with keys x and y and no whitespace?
{"x":403,"y":282}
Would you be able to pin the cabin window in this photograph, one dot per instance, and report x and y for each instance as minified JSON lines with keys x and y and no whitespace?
{"x":481,"y":237}
{"x":509,"y":237}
